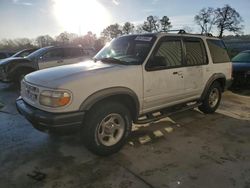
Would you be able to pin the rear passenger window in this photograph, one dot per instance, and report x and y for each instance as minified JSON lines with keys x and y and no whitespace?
{"x":195,"y":52}
{"x":218,"y":51}
{"x":53,"y":54}
{"x":172,"y":53}
{"x":73,"y":52}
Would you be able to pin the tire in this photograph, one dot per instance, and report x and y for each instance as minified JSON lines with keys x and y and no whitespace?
{"x":212,"y":99}
{"x":106,"y":128}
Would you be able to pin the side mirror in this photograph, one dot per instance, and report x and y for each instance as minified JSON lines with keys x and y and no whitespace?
{"x":158,"y":61}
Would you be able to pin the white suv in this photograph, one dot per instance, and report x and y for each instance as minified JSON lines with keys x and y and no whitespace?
{"x":128,"y":81}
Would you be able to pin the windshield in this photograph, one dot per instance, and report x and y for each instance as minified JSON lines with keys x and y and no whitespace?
{"x":131,"y":50}
{"x":242,"y":57}
{"x":38,"y":53}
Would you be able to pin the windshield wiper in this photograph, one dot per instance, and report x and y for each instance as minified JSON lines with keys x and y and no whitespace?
{"x":113,"y":60}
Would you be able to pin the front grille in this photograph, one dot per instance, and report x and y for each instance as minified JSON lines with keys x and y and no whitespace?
{"x":29,"y":91}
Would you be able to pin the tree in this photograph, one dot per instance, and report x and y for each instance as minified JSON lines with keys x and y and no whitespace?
{"x":99,"y":43}
{"x":139,"y":29}
{"x":44,"y":40}
{"x":187,"y":29}
{"x":228,"y":19}
{"x":86,"y":41}
{"x":128,"y":28}
{"x":205,"y":19}
{"x":151,"y":24}
{"x":65,"y":37}
{"x":112,"y":31}
{"x":165,"y":23}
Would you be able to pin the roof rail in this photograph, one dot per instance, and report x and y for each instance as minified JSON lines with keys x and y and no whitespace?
{"x":182,"y":31}
{"x":209,"y":34}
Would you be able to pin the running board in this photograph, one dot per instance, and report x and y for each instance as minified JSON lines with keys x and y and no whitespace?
{"x":150,"y":117}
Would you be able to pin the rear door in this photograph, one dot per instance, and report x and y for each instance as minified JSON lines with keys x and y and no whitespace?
{"x":195,"y":62}
{"x":164,"y":82}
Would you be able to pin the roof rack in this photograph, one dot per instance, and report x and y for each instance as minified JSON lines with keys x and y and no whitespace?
{"x":182,"y":31}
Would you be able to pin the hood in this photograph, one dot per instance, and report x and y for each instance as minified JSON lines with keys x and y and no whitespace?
{"x":13,"y":59}
{"x":65,"y":73}
{"x":241,"y":66}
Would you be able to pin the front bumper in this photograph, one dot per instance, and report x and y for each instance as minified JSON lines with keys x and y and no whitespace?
{"x":45,"y":121}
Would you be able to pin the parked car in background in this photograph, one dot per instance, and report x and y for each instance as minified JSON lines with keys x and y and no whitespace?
{"x":4,"y":55}
{"x":14,"y":69}
{"x":129,"y":80}
{"x":25,"y":52}
{"x":90,"y":51}
{"x":241,"y":69}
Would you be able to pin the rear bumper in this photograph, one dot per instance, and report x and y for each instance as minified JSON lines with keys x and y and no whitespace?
{"x":45,"y":121}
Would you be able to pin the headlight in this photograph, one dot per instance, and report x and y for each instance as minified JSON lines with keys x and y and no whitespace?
{"x":54,"y":98}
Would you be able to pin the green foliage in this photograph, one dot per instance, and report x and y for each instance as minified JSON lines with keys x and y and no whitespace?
{"x":128,"y":28}
{"x":151,"y":24}
{"x":112,"y":31}
{"x":165,"y":23}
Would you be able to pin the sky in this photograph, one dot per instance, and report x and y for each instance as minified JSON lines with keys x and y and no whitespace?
{"x":31,"y":18}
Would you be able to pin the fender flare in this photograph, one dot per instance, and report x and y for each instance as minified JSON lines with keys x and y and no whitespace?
{"x":210,"y":82}
{"x":109,"y":92}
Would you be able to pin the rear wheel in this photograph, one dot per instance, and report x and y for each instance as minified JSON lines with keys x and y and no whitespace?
{"x":106,"y":128}
{"x":212,"y":99}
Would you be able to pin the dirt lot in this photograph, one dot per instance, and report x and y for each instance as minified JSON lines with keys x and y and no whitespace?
{"x":195,"y":151}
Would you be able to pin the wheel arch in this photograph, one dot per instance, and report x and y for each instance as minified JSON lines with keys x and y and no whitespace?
{"x":19,"y":69}
{"x":120,"y":94}
{"x":219,"y":77}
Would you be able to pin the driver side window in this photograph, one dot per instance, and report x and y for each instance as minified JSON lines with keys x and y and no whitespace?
{"x":168,"y":55}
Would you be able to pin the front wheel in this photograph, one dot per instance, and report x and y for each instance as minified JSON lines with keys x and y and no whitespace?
{"x":212,"y":99}
{"x":106,"y":128}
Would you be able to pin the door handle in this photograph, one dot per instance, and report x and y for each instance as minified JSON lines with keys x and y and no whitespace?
{"x":60,"y":61}
{"x":178,"y":72}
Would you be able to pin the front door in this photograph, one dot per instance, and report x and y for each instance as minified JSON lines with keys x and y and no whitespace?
{"x":163,"y":77}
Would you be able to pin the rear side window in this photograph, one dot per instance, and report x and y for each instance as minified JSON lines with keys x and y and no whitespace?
{"x":172,"y":53}
{"x":73,"y":52}
{"x":218,"y":51}
{"x":53,"y":54}
{"x":195,"y":52}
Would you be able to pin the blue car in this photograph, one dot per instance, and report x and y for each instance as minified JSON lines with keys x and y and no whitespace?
{"x":241,"y":69}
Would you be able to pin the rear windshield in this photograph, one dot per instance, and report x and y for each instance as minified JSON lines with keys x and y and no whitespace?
{"x":218,"y":51}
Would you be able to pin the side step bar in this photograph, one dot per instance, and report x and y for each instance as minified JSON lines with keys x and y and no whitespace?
{"x":150,"y":117}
